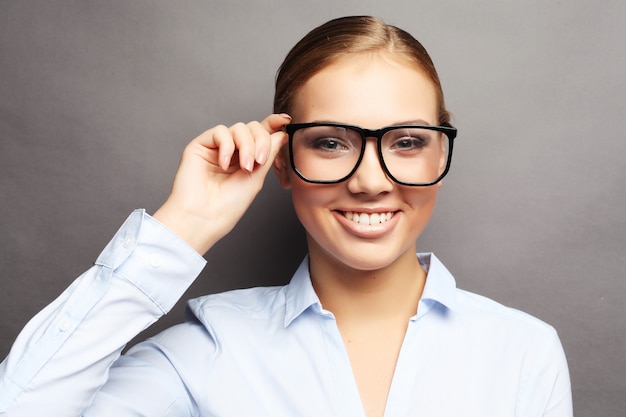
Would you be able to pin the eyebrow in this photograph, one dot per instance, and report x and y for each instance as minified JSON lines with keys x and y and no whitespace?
{"x":413,"y":122}
{"x":418,"y":122}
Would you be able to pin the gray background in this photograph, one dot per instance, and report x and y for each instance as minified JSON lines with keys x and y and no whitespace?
{"x":98,"y":98}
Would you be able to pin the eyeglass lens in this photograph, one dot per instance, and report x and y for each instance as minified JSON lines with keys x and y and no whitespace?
{"x":330,"y":153}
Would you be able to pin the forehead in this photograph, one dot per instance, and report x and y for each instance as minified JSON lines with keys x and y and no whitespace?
{"x":370,"y":90}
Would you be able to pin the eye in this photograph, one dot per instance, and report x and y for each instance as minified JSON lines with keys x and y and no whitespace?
{"x":328,"y":144}
{"x":408,"y":143}
{"x":328,"y":141}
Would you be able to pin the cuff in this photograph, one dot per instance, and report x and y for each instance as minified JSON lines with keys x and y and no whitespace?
{"x":152,"y":258}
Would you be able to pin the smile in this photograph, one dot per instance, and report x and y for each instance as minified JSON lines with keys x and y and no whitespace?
{"x":368,"y":219}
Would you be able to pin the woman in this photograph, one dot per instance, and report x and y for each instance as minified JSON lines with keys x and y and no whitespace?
{"x":366,"y":327}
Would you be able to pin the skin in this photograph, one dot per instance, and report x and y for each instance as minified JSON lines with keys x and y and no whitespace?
{"x":220,"y":173}
{"x":395,"y":93}
{"x":368,"y":276}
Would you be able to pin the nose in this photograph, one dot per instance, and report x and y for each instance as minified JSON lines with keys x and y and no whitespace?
{"x":370,"y":178}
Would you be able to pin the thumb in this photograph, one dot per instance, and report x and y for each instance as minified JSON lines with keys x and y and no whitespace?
{"x":276,"y":122}
{"x":278,"y":139}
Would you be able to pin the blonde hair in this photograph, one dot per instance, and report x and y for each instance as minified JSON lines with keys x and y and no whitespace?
{"x":341,"y":37}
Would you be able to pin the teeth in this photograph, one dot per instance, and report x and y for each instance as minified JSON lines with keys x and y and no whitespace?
{"x":368,"y":219}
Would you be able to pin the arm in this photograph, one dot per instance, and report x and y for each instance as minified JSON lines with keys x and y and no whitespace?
{"x":560,"y":400}
{"x":546,"y":389}
{"x":63,"y":355}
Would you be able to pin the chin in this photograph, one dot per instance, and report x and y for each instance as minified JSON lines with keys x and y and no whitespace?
{"x":373,"y":258}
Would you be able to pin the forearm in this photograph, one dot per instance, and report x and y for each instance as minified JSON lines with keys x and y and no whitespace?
{"x":62,"y":356}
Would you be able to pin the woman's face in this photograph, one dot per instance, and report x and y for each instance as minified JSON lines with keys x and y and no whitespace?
{"x":371,"y":91}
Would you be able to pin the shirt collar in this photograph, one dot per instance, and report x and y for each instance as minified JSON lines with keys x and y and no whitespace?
{"x":440,"y":285}
{"x":440,"y":288}
{"x":299,"y":293}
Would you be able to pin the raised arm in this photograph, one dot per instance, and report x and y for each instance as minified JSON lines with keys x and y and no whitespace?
{"x":62,"y":356}
{"x":221,"y":172}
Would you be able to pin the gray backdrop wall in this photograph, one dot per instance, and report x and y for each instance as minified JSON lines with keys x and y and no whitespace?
{"x":98,"y":98}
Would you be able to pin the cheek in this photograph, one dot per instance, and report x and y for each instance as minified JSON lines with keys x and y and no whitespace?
{"x":422,"y":203}
{"x":313,"y":204}
{"x":309,"y":198}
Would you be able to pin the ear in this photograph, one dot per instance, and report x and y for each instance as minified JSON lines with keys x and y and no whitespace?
{"x":443,"y":159}
{"x":282,"y":168}
{"x":442,"y":165}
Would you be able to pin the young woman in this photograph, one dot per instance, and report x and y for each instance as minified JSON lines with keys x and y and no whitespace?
{"x":366,"y":327}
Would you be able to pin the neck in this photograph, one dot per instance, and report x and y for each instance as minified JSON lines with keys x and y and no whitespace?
{"x":392,"y":292}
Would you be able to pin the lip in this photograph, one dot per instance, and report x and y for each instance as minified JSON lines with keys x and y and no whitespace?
{"x":367,"y":231}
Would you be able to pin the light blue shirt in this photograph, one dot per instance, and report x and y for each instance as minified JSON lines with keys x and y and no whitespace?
{"x":271,"y":351}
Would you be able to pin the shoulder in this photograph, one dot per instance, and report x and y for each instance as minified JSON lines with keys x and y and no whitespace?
{"x":259,"y":303}
{"x":502,"y":330}
{"x":523,"y":345}
{"x":472,"y":303}
{"x":213,"y":320}
{"x":474,"y":311}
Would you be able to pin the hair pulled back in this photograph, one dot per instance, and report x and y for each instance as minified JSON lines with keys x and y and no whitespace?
{"x":342,"y":37}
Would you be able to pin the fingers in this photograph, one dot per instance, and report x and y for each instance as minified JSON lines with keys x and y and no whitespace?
{"x":248,"y":140}
{"x":275,"y":122}
{"x":246,"y":144}
{"x":219,"y":137}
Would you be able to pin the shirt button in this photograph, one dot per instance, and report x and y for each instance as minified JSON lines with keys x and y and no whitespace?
{"x":155,"y":261}
{"x":65,"y":326}
{"x":127,"y":242}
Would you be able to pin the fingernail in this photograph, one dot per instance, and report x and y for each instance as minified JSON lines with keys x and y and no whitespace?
{"x":261,"y":158}
{"x":225,"y":162}
{"x":286,"y":116}
{"x":248,"y":164}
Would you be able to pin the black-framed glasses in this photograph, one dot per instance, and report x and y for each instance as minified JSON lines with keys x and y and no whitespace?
{"x":329,"y":153}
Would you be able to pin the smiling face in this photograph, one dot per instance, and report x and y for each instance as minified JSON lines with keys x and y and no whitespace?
{"x":367,"y":222}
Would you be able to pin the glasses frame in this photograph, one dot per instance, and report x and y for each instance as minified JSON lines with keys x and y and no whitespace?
{"x":446,"y":129}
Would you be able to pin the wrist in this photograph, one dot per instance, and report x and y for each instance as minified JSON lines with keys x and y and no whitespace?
{"x":193,"y":230}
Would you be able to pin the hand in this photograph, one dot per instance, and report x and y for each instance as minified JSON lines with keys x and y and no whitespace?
{"x":220,"y":173}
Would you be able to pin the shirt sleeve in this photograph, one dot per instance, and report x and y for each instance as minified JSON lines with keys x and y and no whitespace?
{"x":160,"y":377}
{"x":63,"y":355}
{"x":546,"y":389}
{"x":560,"y":402}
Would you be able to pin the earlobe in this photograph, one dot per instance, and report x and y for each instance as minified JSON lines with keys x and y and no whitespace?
{"x":281,"y":168}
